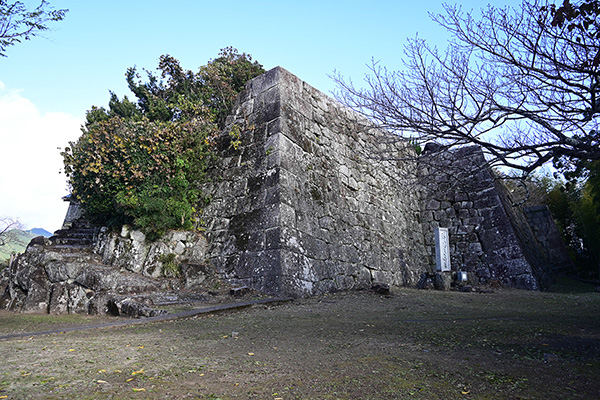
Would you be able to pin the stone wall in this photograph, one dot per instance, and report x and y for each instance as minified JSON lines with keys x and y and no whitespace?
{"x":299,"y":207}
{"x":74,"y":213}
{"x":549,"y":238}
{"x":129,"y":250}
{"x":306,"y":198}
{"x":488,"y":236}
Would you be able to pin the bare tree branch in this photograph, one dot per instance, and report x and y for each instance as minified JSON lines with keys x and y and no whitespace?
{"x":510,"y":81}
{"x":17,"y":23}
{"x":6,"y":225}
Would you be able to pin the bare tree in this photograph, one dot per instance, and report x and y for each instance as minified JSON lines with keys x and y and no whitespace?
{"x":17,"y":23}
{"x":521,"y":83}
{"x":6,"y":226}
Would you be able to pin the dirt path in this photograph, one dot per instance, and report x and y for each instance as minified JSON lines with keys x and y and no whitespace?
{"x":414,"y":345}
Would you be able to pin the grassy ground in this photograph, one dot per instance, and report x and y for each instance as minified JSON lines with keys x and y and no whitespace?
{"x":412,"y":345}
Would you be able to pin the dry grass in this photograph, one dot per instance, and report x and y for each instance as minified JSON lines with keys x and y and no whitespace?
{"x":415,"y":345}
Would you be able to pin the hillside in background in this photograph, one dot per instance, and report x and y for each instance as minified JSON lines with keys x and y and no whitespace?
{"x":40,"y":232}
{"x":18,"y":241}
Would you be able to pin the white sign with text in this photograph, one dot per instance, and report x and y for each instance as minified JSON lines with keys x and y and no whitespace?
{"x":442,"y":249}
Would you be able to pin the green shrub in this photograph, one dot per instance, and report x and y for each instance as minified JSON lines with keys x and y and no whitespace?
{"x":170,"y":267}
{"x":142,"y":162}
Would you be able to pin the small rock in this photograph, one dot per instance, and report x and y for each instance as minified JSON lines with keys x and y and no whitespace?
{"x":442,"y":281}
{"x":39,"y":241}
{"x":432,"y":147}
{"x":426,"y":281}
{"x":381,"y":288}
{"x":239,"y":291}
{"x":129,"y":307}
{"x":465,"y":289}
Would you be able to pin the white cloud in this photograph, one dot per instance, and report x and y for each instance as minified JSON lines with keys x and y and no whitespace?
{"x":31,"y":186}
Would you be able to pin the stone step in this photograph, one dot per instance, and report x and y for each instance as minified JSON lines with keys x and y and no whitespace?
{"x":102,"y":277}
{"x":73,"y":235}
{"x":64,"y":270}
{"x":75,"y":232}
{"x":69,"y":255}
{"x":83,"y":241}
{"x":69,"y":248}
{"x":71,"y":259}
{"x":82,"y":223}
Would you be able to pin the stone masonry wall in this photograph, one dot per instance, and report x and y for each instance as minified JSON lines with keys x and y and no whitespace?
{"x":347,"y":220}
{"x":306,"y":199}
{"x":298,"y":207}
{"x":243,"y":217}
{"x":462,"y":195}
{"x":549,"y":238}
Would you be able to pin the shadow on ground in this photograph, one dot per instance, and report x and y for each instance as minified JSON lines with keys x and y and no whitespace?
{"x":358,"y":345}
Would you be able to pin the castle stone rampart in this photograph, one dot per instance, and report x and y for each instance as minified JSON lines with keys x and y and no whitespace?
{"x":490,"y":238}
{"x":306,"y":197}
{"x":299,"y":208}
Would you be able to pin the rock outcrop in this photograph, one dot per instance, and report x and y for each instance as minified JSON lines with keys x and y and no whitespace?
{"x":87,"y":270}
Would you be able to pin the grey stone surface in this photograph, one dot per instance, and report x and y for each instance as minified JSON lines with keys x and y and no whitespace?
{"x":442,"y":281}
{"x":548,"y":237}
{"x":60,"y":278}
{"x":312,"y":200}
{"x":4,"y":281}
{"x":489,"y":237}
{"x":74,"y":213}
{"x":129,"y":250}
{"x":301,"y":207}
{"x":131,"y":307}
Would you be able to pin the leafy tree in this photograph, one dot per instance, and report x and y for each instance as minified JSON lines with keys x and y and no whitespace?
{"x":141,"y":162}
{"x":522,"y":83}
{"x":178,"y":94}
{"x":575,"y":207}
{"x":17,"y":23}
{"x":588,"y":228}
{"x":581,"y":17}
{"x":589,"y":215}
{"x":530,"y":191}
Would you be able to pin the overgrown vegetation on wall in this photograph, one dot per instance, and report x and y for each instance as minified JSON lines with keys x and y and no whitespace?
{"x":141,"y":162}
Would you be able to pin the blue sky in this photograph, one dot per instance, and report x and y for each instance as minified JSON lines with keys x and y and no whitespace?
{"x":47,"y":84}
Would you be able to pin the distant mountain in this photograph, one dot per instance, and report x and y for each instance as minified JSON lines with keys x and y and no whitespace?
{"x":40,"y":232}
{"x":17,"y":241}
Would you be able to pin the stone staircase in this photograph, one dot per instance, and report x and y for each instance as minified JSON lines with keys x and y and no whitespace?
{"x":81,"y":234}
{"x":63,"y":274}
{"x":87,"y":270}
